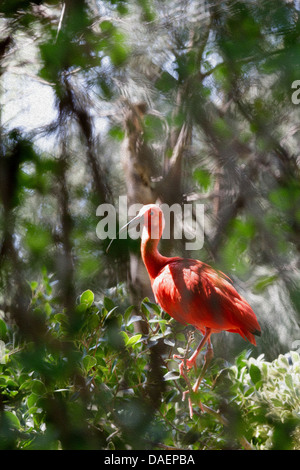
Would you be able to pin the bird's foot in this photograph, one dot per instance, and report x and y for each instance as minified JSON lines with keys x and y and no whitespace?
{"x":186,"y":364}
{"x":184,"y":394}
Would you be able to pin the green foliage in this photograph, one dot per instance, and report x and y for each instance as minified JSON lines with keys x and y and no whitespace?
{"x":203,"y":178}
{"x":268,"y":393}
{"x":87,"y":385}
{"x":79,"y":371}
{"x":241,"y":236}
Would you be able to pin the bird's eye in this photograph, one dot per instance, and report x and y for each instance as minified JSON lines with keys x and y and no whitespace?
{"x":151,"y":213}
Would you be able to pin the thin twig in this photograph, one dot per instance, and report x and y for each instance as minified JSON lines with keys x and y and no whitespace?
{"x":60,"y":20}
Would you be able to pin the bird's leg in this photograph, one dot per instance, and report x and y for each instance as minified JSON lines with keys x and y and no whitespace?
{"x":188,"y":363}
{"x":183,"y":368}
{"x":207,"y":359}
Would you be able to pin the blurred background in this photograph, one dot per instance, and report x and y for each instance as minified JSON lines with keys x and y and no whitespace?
{"x":180,"y":102}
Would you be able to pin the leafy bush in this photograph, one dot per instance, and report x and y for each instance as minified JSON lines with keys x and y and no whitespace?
{"x":269,"y":395}
{"x":93,"y":382}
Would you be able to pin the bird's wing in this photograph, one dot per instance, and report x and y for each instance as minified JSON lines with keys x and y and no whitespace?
{"x":193,"y":292}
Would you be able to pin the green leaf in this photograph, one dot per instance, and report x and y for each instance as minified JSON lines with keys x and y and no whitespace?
{"x":172,"y":375}
{"x":148,"y":307}
{"x":127,"y":314}
{"x":133,"y":340}
{"x":255,"y":373}
{"x":38,"y":387}
{"x":106,"y":26}
{"x":47,"y":309}
{"x":12,"y":419}
{"x":180,"y":337}
{"x":61,"y":318}
{"x":118,"y":51}
{"x":125,"y":337}
{"x":147,"y":9}
{"x":32,"y":399}
{"x":169,"y":343}
{"x":89,"y":362}
{"x":87,"y":298}
{"x":108,"y":303}
{"x":130,"y":341}
{"x":166,"y":82}
{"x":289,"y":381}
{"x":37,"y":238}
{"x":107,"y":314}
{"x":133,"y":319}
{"x":33,"y":285}
{"x":181,"y":350}
{"x":117,"y":133}
{"x":222,"y":129}
{"x":3,"y":330}
{"x":203,"y":178}
{"x":263,"y":282}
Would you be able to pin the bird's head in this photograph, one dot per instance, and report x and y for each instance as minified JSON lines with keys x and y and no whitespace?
{"x":152,"y":218}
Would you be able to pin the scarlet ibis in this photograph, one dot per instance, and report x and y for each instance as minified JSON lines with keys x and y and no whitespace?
{"x":192,"y":292}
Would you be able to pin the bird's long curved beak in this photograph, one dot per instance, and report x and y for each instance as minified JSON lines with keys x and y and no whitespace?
{"x":133,"y":222}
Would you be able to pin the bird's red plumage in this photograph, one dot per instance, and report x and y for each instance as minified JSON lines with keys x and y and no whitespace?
{"x":192,"y":292}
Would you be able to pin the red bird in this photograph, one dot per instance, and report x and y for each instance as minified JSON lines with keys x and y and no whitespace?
{"x":192,"y":292}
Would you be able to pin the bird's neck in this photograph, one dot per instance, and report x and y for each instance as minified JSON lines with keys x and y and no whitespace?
{"x":153,"y":260}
